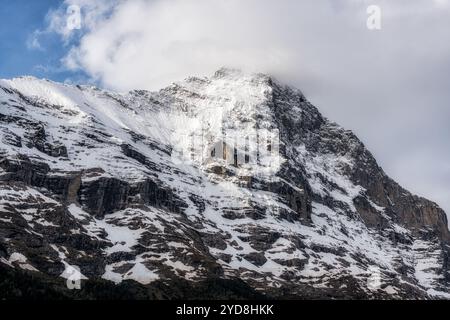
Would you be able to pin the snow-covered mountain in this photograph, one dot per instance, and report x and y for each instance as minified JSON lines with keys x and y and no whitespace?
{"x":233,"y":185}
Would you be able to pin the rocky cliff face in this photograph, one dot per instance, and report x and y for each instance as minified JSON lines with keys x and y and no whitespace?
{"x":232,"y":178}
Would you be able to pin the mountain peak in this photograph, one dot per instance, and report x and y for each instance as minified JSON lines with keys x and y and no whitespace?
{"x":225,"y":72}
{"x":237,"y":73}
{"x":233,"y":176}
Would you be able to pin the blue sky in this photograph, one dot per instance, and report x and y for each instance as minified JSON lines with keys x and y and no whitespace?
{"x":18,"y":21}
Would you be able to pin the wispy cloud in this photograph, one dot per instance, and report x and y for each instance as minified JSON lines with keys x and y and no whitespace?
{"x":59,"y":20}
{"x":33,"y":42}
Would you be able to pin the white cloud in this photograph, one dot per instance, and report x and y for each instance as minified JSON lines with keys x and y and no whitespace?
{"x":148,"y":44}
{"x":390,"y":86}
{"x":33,"y":42}
{"x":139,"y":43}
{"x":441,"y":3}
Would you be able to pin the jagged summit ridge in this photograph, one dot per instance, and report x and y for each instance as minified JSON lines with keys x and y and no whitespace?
{"x":117,"y":185}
